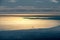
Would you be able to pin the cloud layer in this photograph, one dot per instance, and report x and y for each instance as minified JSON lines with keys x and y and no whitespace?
{"x":55,"y":1}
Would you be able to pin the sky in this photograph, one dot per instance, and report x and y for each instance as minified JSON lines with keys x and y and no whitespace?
{"x":29,"y":2}
{"x":21,"y":23}
{"x":29,"y":5}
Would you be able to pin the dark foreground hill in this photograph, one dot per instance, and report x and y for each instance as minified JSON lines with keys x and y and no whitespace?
{"x":32,"y":34}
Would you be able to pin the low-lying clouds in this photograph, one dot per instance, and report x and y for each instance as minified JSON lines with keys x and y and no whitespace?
{"x":29,"y":6}
{"x":12,"y":1}
{"x":55,"y":1}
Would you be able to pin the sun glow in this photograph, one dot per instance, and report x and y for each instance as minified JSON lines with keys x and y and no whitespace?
{"x":20,"y":23}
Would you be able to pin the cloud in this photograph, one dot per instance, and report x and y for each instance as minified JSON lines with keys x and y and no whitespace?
{"x":40,"y":1}
{"x":55,"y":1}
{"x":12,"y":1}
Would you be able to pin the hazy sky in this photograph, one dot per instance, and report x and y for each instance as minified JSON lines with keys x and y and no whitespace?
{"x":29,"y":5}
{"x":35,"y":3}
